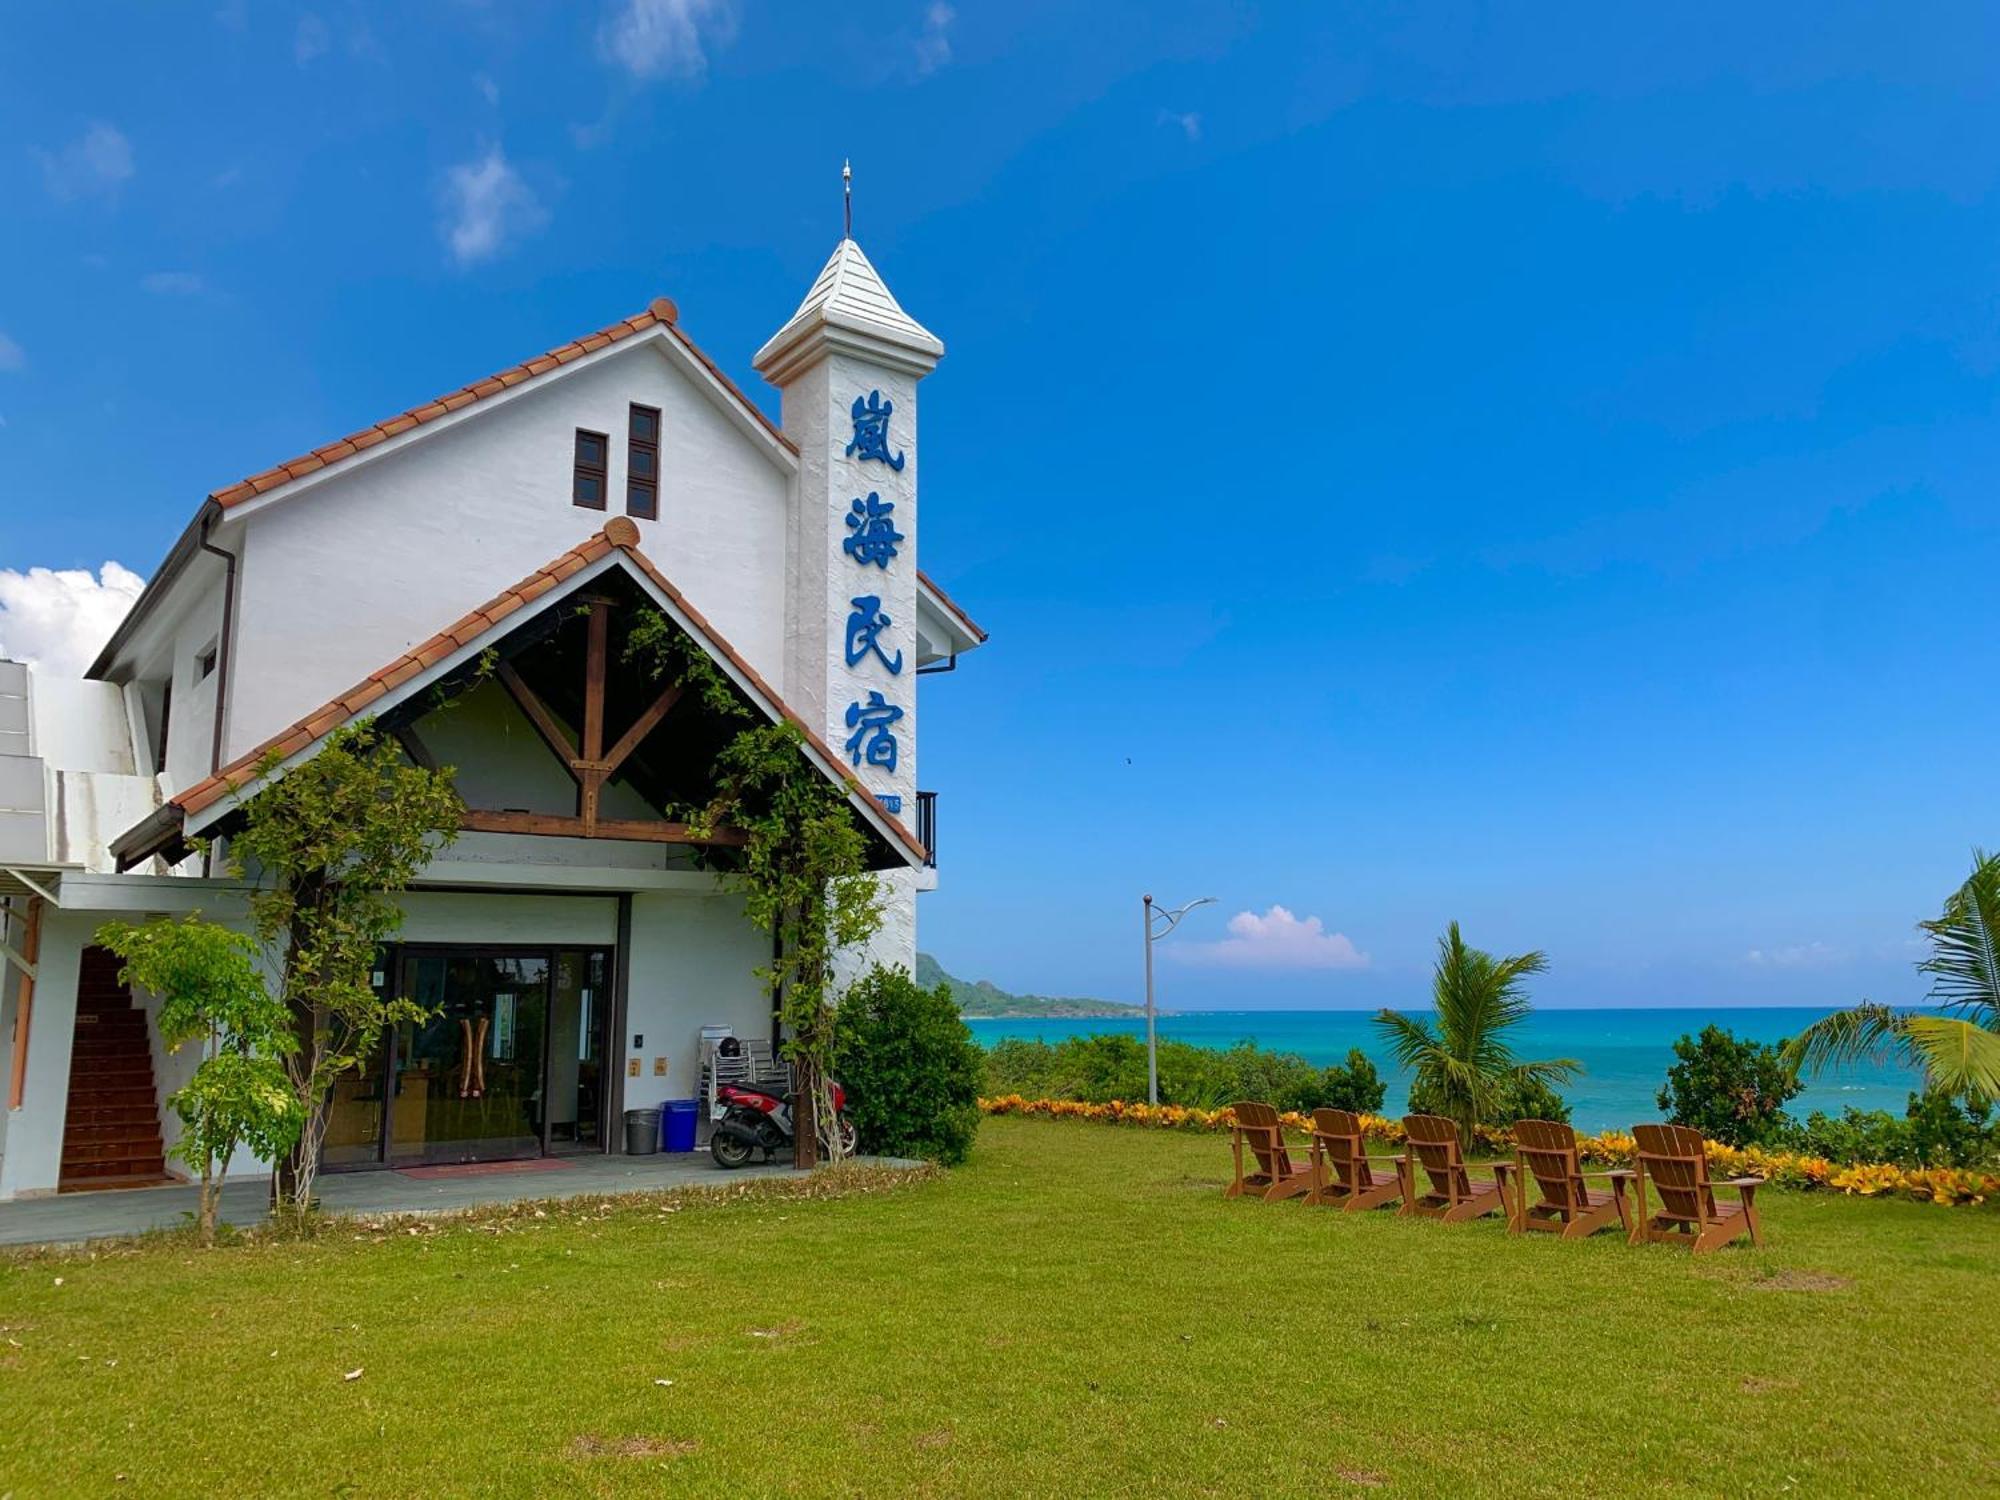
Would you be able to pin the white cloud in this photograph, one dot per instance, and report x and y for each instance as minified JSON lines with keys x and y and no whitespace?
{"x":666,"y":38}
{"x":1797,"y":956}
{"x":933,"y":44}
{"x":171,"y":283}
{"x":1189,"y":123}
{"x":486,"y":204}
{"x":1276,"y":940}
{"x":488,"y":89}
{"x":95,"y":163}
{"x":311,"y":40}
{"x":59,"y":619}
{"x":12,"y":356}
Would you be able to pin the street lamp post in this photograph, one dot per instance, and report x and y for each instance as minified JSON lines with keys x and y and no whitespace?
{"x":1153,"y":916}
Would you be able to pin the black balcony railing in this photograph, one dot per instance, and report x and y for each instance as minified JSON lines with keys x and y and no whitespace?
{"x":927,"y":825}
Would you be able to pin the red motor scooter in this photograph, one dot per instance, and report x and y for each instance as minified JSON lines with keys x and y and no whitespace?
{"x":752,"y":1117}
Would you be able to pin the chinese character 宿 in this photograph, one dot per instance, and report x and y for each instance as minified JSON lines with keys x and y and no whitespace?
{"x":872,"y":742}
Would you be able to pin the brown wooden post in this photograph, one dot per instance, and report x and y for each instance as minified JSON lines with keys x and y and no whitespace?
{"x":24,"y":1010}
{"x":591,"y":758}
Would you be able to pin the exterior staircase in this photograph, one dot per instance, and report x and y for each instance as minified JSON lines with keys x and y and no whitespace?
{"x":111,"y":1137}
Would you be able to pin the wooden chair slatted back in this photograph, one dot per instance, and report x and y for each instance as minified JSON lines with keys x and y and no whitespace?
{"x":1338,"y":1132}
{"x":1676,"y":1165}
{"x":1548,"y":1151}
{"x":1265,"y":1137}
{"x":1433,"y":1141}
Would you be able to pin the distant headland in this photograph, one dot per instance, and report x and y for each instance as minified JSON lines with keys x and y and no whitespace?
{"x":983,"y":1000}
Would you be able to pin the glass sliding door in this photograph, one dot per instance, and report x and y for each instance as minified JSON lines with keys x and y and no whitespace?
{"x":467,"y":1081}
{"x":578,"y":1017}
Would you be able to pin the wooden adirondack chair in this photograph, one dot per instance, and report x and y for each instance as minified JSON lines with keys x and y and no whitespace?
{"x":1546,"y":1152}
{"x":1672,"y":1158}
{"x":1272,"y":1175}
{"x":1455,"y":1195}
{"x":1343,"y":1176}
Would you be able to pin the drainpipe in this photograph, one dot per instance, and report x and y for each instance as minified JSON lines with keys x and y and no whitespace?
{"x":226,"y":641}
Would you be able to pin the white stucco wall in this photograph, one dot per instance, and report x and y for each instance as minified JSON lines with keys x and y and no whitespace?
{"x":693,"y":963}
{"x":341,"y":578}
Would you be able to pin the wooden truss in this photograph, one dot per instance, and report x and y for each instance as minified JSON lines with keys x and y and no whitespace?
{"x":589,"y":763}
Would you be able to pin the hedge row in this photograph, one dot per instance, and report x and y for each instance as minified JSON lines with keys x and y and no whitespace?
{"x":1942,"y":1185}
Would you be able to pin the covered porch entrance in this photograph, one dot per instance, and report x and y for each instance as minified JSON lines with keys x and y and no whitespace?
{"x":508,"y":1062}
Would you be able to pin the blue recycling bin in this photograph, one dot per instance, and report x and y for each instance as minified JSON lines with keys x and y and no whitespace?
{"x":677,"y":1121}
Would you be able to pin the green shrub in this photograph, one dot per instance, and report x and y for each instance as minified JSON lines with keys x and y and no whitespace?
{"x":910,"y":1067}
{"x":1351,"y":1085}
{"x":1730,"y":1088}
{"x":1934,"y":1131}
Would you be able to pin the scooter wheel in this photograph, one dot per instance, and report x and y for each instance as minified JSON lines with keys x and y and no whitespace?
{"x":848,"y":1137}
{"x":730,"y":1151}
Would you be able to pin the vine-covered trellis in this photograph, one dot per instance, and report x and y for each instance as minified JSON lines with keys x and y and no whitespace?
{"x":802,"y":868}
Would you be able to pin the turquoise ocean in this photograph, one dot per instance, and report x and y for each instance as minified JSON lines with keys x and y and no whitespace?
{"x":1625,"y":1053}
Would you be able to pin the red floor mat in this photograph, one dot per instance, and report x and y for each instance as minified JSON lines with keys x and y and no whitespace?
{"x":485,"y":1168}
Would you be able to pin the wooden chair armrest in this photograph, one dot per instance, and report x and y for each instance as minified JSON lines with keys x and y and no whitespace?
{"x":1612,"y":1172}
{"x":1744,"y":1182}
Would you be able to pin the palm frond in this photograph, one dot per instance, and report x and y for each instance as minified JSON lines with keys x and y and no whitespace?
{"x":1410,"y":1038}
{"x":1965,"y":946}
{"x":1862,"y":1033}
{"x":1959,"y":1057}
{"x":1551,"y":1071}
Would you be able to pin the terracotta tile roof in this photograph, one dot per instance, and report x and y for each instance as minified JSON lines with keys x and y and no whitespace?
{"x":619,"y":533}
{"x":660,"y":314}
{"x":950,"y":603}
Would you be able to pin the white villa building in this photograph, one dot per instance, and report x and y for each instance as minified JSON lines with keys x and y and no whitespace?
{"x":464,"y":574}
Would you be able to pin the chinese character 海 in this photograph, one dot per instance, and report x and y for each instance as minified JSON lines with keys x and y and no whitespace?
{"x":872,"y":742}
{"x":871,"y":430}
{"x":864,"y":634}
{"x":873,"y":535}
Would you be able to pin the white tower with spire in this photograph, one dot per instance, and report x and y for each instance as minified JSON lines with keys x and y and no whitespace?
{"x":847,"y":363}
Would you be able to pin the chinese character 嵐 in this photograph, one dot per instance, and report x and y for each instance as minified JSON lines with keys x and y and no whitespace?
{"x":874,"y":536}
{"x":872,"y":742}
{"x":864,"y":633}
{"x":871,"y":430}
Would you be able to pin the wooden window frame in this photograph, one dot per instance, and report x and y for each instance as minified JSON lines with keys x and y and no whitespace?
{"x":650,"y":510}
{"x":601,"y":472}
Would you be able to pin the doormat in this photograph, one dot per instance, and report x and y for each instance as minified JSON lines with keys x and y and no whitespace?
{"x":484,"y":1168}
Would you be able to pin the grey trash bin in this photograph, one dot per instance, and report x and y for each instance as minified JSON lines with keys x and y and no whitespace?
{"x":642,"y":1132}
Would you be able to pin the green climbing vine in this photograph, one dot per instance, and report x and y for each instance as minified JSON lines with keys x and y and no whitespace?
{"x":803,"y":870}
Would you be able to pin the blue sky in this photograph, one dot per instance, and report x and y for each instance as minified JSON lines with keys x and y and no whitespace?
{"x":1531,"y":467}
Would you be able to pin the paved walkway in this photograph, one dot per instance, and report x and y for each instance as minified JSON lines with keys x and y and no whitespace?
{"x":72,"y":1218}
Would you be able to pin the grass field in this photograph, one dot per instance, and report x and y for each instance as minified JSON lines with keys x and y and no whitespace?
{"x":1078,"y":1312}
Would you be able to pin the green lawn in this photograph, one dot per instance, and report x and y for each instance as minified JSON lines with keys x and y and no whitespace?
{"x":1078,"y":1311}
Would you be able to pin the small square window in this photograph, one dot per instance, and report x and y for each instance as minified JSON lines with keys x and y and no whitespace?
{"x":642,"y":500}
{"x":204,"y":662}
{"x":645,"y":424}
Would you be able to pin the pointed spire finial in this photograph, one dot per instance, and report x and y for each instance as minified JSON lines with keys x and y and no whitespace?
{"x":847,"y":198}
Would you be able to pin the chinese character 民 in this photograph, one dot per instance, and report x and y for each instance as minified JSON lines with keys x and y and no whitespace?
{"x":871,"y":430}
{"x":864,"y":634}
{"x":874,"y":535}
{"x":872,"y":742}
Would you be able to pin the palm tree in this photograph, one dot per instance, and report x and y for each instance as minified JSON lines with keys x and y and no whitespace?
{"x":1465,"y":1061}
{"x":1958,"y":1052}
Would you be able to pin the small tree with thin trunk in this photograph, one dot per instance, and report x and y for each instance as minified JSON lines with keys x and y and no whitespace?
{"x":211,"y":994}
{"x":330,"y":848}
